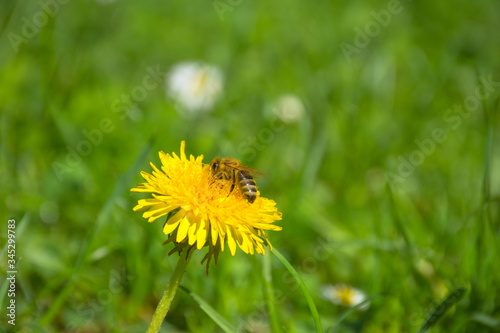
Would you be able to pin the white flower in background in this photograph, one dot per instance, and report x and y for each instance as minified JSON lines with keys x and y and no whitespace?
{"x":345,"y":295}
{"x":194,"y":86}
{"x":289,"y":108}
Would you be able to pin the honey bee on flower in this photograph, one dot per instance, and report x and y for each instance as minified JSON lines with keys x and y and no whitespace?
{"x":201,"y":214}
{"x":240,"y":175}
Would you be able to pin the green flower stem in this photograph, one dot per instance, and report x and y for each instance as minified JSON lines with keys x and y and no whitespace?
{"x":269,"y":293}
{"x":168,"y":295}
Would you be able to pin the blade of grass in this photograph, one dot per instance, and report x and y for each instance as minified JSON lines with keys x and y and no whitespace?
{"x":214,"y":315}
{"x":486,"y":215}
{"x":441,"y":309}
{"x":311,"y":168}
{"x":486,"y":320}
{"x":487,"y":244}
{"x":398,"y":223}
{"x":269,"y":293}
{"x":20,"y":227}
{"x":401,"y":224}
{"x":310,"y":302}
{"x":122,"y":184}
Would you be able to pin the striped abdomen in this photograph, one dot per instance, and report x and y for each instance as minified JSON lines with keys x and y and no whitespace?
{"x":247,"y":185}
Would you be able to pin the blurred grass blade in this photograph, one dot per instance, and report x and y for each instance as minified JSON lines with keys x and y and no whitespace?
{"x":441,"y":309}
{"x":398,"y":223}
{"x":486,"y":320}
{"x":20,"y":227}
{"x":311,"y":168}
{"x":486,"y":212}
{"x":310,"y":302}
{"x":216,"y":317}
{"x":269,"y":293}
{"x":121,"y":185}
{"x":354,"y":308}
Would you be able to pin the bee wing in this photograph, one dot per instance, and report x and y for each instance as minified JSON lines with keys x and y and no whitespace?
{"x":242,"y":167}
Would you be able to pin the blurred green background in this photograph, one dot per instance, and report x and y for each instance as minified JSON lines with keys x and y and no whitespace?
{"x":88,"y":263}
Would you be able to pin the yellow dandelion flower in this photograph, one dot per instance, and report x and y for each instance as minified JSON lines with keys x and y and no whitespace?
{"x":203,"y":211}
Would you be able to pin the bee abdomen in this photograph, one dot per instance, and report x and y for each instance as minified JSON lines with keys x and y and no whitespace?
{"x":247,"y":186}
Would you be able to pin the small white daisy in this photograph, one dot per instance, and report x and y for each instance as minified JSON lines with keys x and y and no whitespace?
{"x":194,"y":86}
{"x":289,"y":108}
{"x":345,"y":295}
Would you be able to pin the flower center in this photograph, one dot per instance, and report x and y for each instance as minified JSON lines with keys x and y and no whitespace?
{"x":346,"y":295}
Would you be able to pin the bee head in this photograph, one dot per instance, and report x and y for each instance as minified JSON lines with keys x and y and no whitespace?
{"x":214,"y":165}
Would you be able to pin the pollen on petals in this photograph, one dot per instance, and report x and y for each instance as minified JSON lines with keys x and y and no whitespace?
{"x":203,"y":213}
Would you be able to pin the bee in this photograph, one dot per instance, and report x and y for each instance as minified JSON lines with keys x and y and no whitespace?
{"x":231,"y":169}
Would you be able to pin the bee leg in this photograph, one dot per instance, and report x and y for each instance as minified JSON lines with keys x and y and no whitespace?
{"x":219,"y":176}
{"x":231,"y":190}
{"x":232,"y":185}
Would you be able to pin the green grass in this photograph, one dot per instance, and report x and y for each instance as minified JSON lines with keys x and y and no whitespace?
{"x":88,"y":263}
